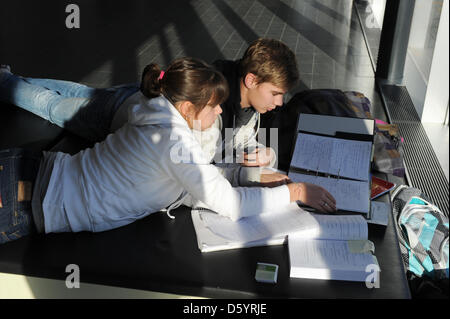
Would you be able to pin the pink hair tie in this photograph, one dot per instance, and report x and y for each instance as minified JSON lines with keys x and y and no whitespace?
{"x":161,"y":75}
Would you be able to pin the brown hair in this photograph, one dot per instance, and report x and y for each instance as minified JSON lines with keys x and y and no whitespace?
{"x":186,"y":79}
{"x":271,"y":61}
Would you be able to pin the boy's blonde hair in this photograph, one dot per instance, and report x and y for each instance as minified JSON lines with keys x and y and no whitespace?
{"x":271,"y":61}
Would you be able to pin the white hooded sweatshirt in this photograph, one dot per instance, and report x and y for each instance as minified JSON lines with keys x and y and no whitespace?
{"x":151,"y":163}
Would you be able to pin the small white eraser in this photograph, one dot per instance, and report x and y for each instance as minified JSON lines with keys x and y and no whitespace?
{"x":266,"y":273}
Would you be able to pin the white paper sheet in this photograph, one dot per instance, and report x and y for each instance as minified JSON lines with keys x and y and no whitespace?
{"x":270,"y":225}
{"x":346,"y":158}
{"x":379,"y":213}
{"x":293,"y":220}
{"x":326,"y":254}
{"x":330,"y":125}
{"x":341,"y":227}
{"x":350,"y":195}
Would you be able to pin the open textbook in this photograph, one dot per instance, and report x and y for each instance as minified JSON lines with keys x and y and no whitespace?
{"x":215,"y":232}
{"x":350,"y":260}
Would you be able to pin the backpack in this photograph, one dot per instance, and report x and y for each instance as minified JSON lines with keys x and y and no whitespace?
{"x":422,"y":230}
{"x":388,"y":151}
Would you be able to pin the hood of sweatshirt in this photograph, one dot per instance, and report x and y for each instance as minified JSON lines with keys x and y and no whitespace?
{"x":157,"y":111}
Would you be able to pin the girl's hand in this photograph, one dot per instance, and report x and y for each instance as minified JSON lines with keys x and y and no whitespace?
{"x":312,"y":195}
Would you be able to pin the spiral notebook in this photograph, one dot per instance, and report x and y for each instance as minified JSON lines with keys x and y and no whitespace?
{"x":335,"y":153}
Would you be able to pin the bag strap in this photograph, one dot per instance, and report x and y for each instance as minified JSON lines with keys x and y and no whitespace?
{"x":397,"y":190}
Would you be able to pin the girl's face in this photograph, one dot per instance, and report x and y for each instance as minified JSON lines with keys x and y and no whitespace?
{"x":206,"y":117}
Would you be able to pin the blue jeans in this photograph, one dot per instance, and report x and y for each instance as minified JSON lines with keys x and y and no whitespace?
{"x":18,"y":170}
{"x":85,"y":111}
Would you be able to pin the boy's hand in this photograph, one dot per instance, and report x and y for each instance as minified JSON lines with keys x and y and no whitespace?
{"x":259,"y":157}
{"x":272,"y":179}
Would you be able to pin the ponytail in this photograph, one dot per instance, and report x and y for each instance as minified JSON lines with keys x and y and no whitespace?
{"x":186,"y":79}
{"x":150,"y":82}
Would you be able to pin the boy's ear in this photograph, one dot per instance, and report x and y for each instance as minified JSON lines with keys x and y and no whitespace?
{"x":250,"y":80}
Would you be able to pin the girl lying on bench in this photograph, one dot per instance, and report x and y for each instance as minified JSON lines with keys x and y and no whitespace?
{"x":158,"y":160}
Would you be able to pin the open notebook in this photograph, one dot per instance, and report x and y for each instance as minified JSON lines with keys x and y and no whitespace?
{"x":320,"y":246}
{"x":335,"y":153}
{"x":215,"y":232}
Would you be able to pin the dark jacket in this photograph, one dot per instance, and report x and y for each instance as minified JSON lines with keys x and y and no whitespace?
{"x":230,"y":70}
{"x":231,"y":108}
{"x":285,"y":118}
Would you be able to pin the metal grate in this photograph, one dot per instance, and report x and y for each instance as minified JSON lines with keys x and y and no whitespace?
{"x":400,"y":105}
{"x":424,"y":170}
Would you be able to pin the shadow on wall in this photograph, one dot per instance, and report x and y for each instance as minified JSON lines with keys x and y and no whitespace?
{"x":112,"y":37}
